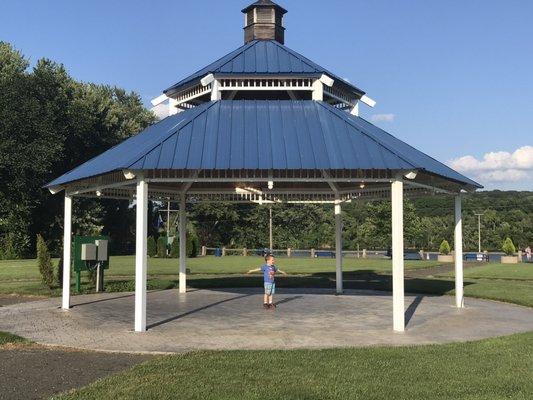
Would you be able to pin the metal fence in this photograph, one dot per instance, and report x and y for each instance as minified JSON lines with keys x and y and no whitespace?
{"x":493,"y":257}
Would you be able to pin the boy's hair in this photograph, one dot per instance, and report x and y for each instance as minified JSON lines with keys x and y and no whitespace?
{"x":268,"y":257}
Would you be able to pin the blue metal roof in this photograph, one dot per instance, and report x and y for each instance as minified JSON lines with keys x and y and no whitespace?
{"x":262,"y":135}
{"x":262,"y":57}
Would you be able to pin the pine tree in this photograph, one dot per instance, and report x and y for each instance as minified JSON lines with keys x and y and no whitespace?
{"x":175,"y":248}
{"x":152,"y":247}
{"x":444,"y":247}
{"x":45,"y":263}
{"x":508,"y":247}
{"x":162,"y":247}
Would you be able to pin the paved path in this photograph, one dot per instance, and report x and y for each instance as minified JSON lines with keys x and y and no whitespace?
{"x":234,"y":319}
{"x":33,"y":372}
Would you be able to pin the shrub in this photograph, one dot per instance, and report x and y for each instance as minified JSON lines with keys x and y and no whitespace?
{"x":44,"y":262}
{"x":444,"y":247}
{"x":175,"y":248}
{"x":193,"y":244}
{"x":508,"y":247}
{"x":162,"y":247}
{"x":59,"y":276}
{"x":151,"y":247}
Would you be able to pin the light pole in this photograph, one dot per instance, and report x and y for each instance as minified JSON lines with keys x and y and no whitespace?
{"x":479,"y":231}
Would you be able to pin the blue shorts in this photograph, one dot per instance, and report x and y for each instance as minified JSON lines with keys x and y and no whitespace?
{"x":270,"y":288}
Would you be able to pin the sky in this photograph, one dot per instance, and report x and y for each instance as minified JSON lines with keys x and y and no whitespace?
{"x":452,"y":78}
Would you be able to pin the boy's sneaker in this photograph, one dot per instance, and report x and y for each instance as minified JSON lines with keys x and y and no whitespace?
{"x":272,"y":305}
{"x":266,"y":306}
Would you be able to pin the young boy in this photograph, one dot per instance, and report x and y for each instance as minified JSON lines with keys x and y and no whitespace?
{"x":269,"y":273}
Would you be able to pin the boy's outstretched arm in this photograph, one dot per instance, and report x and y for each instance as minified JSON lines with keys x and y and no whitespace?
{"x":282,"y":272}
{"x":254,"y":270}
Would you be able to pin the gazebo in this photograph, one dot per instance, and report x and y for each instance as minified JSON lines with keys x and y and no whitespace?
{"x":265,"y":125}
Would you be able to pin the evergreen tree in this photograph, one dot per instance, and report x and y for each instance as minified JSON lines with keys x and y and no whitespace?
{"x":162,"y":247}
{"x":151,"y":247}
{"x":44,"y":262}
{"x":175,"y":248}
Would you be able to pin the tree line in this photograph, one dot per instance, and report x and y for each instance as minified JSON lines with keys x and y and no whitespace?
{"x":51,"y":123}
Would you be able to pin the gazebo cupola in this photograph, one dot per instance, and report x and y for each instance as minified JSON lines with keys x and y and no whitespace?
{"x":264,"y":21}
{"x":262,"y":69}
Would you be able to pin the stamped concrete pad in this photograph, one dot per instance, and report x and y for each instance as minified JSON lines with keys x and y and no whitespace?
{"x":235,"y":319}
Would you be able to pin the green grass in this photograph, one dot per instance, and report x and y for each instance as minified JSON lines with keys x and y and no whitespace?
{"x":500,"y":368}
{"x":9,"y":338}
{"x":22,"y":276}
{"x":510,"y":283}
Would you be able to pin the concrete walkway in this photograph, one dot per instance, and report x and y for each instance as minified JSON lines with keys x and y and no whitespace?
{"x":235,"y":319}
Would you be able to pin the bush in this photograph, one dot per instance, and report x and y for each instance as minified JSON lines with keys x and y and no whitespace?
{"x":151,"y":247}
{"x":162,"y":247}
{"x":175,"y":248}
{"x":7,"y":247}
{"x":193,"y":244}
{"x":508,"y":247}
{"x":444,"y":248}
{"x":44,"y":262}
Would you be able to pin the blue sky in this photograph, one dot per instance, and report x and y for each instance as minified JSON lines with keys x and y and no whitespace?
{"x":452,"y":78}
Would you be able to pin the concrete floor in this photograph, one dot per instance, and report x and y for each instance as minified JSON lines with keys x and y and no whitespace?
{"x":235,"y":319}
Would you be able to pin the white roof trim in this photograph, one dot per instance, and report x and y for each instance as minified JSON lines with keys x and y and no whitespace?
{"x":159,"y":100}
{"x":207,"y":79}
{"x":368,"y":101}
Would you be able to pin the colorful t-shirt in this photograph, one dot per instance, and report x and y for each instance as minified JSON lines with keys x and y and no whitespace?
{"x":269,"y":273}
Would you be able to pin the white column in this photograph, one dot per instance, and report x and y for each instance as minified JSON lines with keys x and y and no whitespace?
{"x":183,"y":246}
{"x":397,"y":256}
{"x":216,"y":94}
{"x":67,"y":246}
{"x":355,"y":110}
{"x":318,"y":91}
{"x":459,"y":296}
{"x":338,"y":246}
{"x":140,"y":255}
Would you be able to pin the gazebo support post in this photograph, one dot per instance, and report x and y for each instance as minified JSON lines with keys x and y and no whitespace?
{"x":67,"y":246}
{"x":459,"y":297}
{"x":140,"y":255}
{"x":338,"y":246}
{"x":183,"y":246}
{"x":398,"y":305}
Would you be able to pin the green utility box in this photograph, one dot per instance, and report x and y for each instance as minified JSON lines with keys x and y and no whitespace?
{"x":90,"y":254}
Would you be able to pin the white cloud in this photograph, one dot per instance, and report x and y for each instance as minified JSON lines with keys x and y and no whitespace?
{"x":383,"y":117}
{"x":499,"y":166}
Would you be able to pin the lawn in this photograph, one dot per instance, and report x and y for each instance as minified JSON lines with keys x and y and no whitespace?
{"x":511,"y":283}
{"x":490,"y":369}
{"x":22,"y":276}
{"x":8,"y":338}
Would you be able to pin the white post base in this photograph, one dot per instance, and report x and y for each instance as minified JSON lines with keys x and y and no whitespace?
{"x":338,"y":247}
{"x":458,"y":247}
{"x":183,"y":246}
{"x":67,"y":246}
{"x":398,"y":302}
{"x":140,"y":255}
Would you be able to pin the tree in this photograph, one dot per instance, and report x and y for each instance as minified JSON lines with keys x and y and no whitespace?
{"x":51,"y":123}
{"x":444,"y":248}
{"x":44,"y":262}
{"x":59,"y":273}
{"x":175,"y":248}
{"x":508,"y":247}
{"x":151,"y":247}
{"x":162,"y":247}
